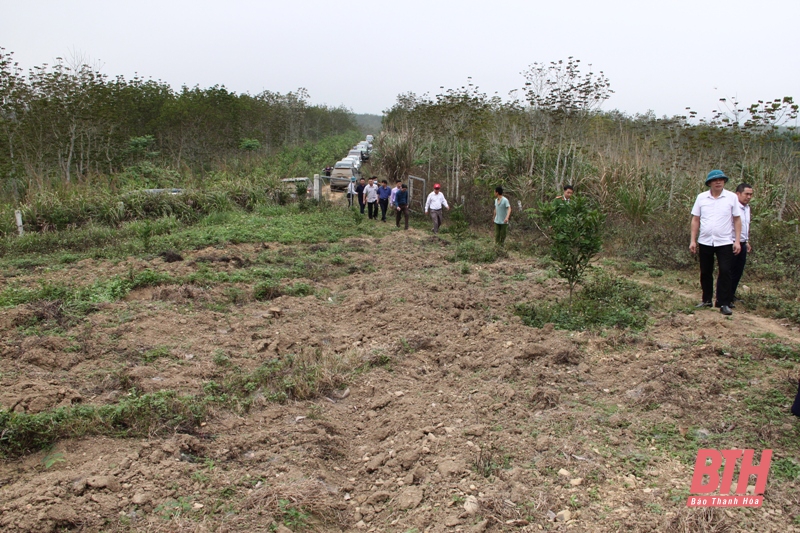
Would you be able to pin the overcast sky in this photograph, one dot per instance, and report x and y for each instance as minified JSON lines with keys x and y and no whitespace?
{"x":661,"y":56}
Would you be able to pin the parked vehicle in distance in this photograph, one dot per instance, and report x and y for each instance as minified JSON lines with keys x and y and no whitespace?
{"x":370,"y":138}
{"x":355,"y":159}
{"x":362,"y":155}
{"x":341,"y":175}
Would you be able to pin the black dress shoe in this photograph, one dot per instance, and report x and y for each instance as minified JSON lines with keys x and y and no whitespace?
{"x":703,"y":304}
{"x":725,"y":310}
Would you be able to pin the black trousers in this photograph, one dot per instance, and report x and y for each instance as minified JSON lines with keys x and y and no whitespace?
{"x":737,"y":269}
{"x":724,"y":255}
{"x":402,"y":211}
{"x":384,"y":206}
{"x":372,"y":209}
{"x":796,"y":404}
{"x":361,"y":202}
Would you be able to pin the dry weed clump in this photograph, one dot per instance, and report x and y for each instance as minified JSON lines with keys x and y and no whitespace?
{"x":312,"y":498}
{"x":500,"y":510}
{"x":545,"y":398}
{"x":45,"y":310}
{"x":319,"y":372}
{"x":663,"y":385}
{"x":180,"y":294}
{"x":179,"y":525}
{"x":706,"y":520}
{"x":569,"y":356}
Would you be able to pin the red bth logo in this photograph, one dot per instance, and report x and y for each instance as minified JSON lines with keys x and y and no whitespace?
{"x":708,"y":464}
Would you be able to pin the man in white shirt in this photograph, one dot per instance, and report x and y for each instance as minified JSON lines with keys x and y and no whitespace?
{"x":395,"y":190}
{"x":351,"y":191}
{"x":434,"y":204}
{"x":714,"y":213}
{"x":744,"y":193}
{"x":371,"y":195}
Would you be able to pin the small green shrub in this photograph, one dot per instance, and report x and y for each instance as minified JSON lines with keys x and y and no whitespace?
{"x":174,"y":508}
{"x":267,"y":290}
{"x":292,"y":516}
{"x":299,"y":289}
{"x":156,"y":353}
{"x":605,"y":301}
{"x":220,"y":359}
{"x":358,"y":216}
{"x":458,"y":227}
{"x":575,"y":231}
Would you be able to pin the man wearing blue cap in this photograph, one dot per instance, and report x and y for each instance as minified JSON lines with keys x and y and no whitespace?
{"x":713,"y":215}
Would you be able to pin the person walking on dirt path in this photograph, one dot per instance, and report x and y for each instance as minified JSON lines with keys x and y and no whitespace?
{"x":435,"y":202}
{"x":796,"y":404}
{"x":384,"y":192}
{"x":351,"y":192}
{"x":795,"y":380}
{"x":397,"y":186}
{"x":371,"y":194}
{"x":362,"y":184}
{"x":744,"y":192}
{"x":569,"y":190}
{"x":714,"y":213}
{"x":502,"y":212}
{"x":401,"y":201}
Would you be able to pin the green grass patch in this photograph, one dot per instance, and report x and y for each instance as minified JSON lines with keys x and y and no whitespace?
{"x":266,"y":223}
{"x":293,"y":377}
{"x":765,"y":407}
{"x":780,"y":350}
{"x":267,"y":290}
{"x":605,"y":301}
{"x":785,"y":468}
{"x":81,"y":300}
{"x":299,"y":289}
{"x":477,"y":251}
{"x":156,"y":353}
{"x":136,"y":415}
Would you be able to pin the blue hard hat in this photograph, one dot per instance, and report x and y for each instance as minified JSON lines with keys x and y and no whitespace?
{"x":352,"y":178}
{"x":716,"y":174}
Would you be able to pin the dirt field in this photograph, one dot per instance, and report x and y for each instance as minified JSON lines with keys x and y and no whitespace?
{"x":463,"y":419}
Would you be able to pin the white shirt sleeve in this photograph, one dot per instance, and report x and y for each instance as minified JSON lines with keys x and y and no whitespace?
{"x":696,"y":207}
{"x":736,"y":211}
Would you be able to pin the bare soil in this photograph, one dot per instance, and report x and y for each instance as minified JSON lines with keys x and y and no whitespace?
{"x":467,"y":420}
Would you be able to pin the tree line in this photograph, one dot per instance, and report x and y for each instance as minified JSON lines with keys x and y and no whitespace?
{"x":65,"y":122}
{"x":551,"y":132}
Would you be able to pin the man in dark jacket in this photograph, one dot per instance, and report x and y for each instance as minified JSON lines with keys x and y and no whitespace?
{"x":401,"y":200}
{"x":362,"y":184}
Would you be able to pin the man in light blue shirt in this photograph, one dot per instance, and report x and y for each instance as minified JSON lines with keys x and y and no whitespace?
{"x":502,"y":212}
